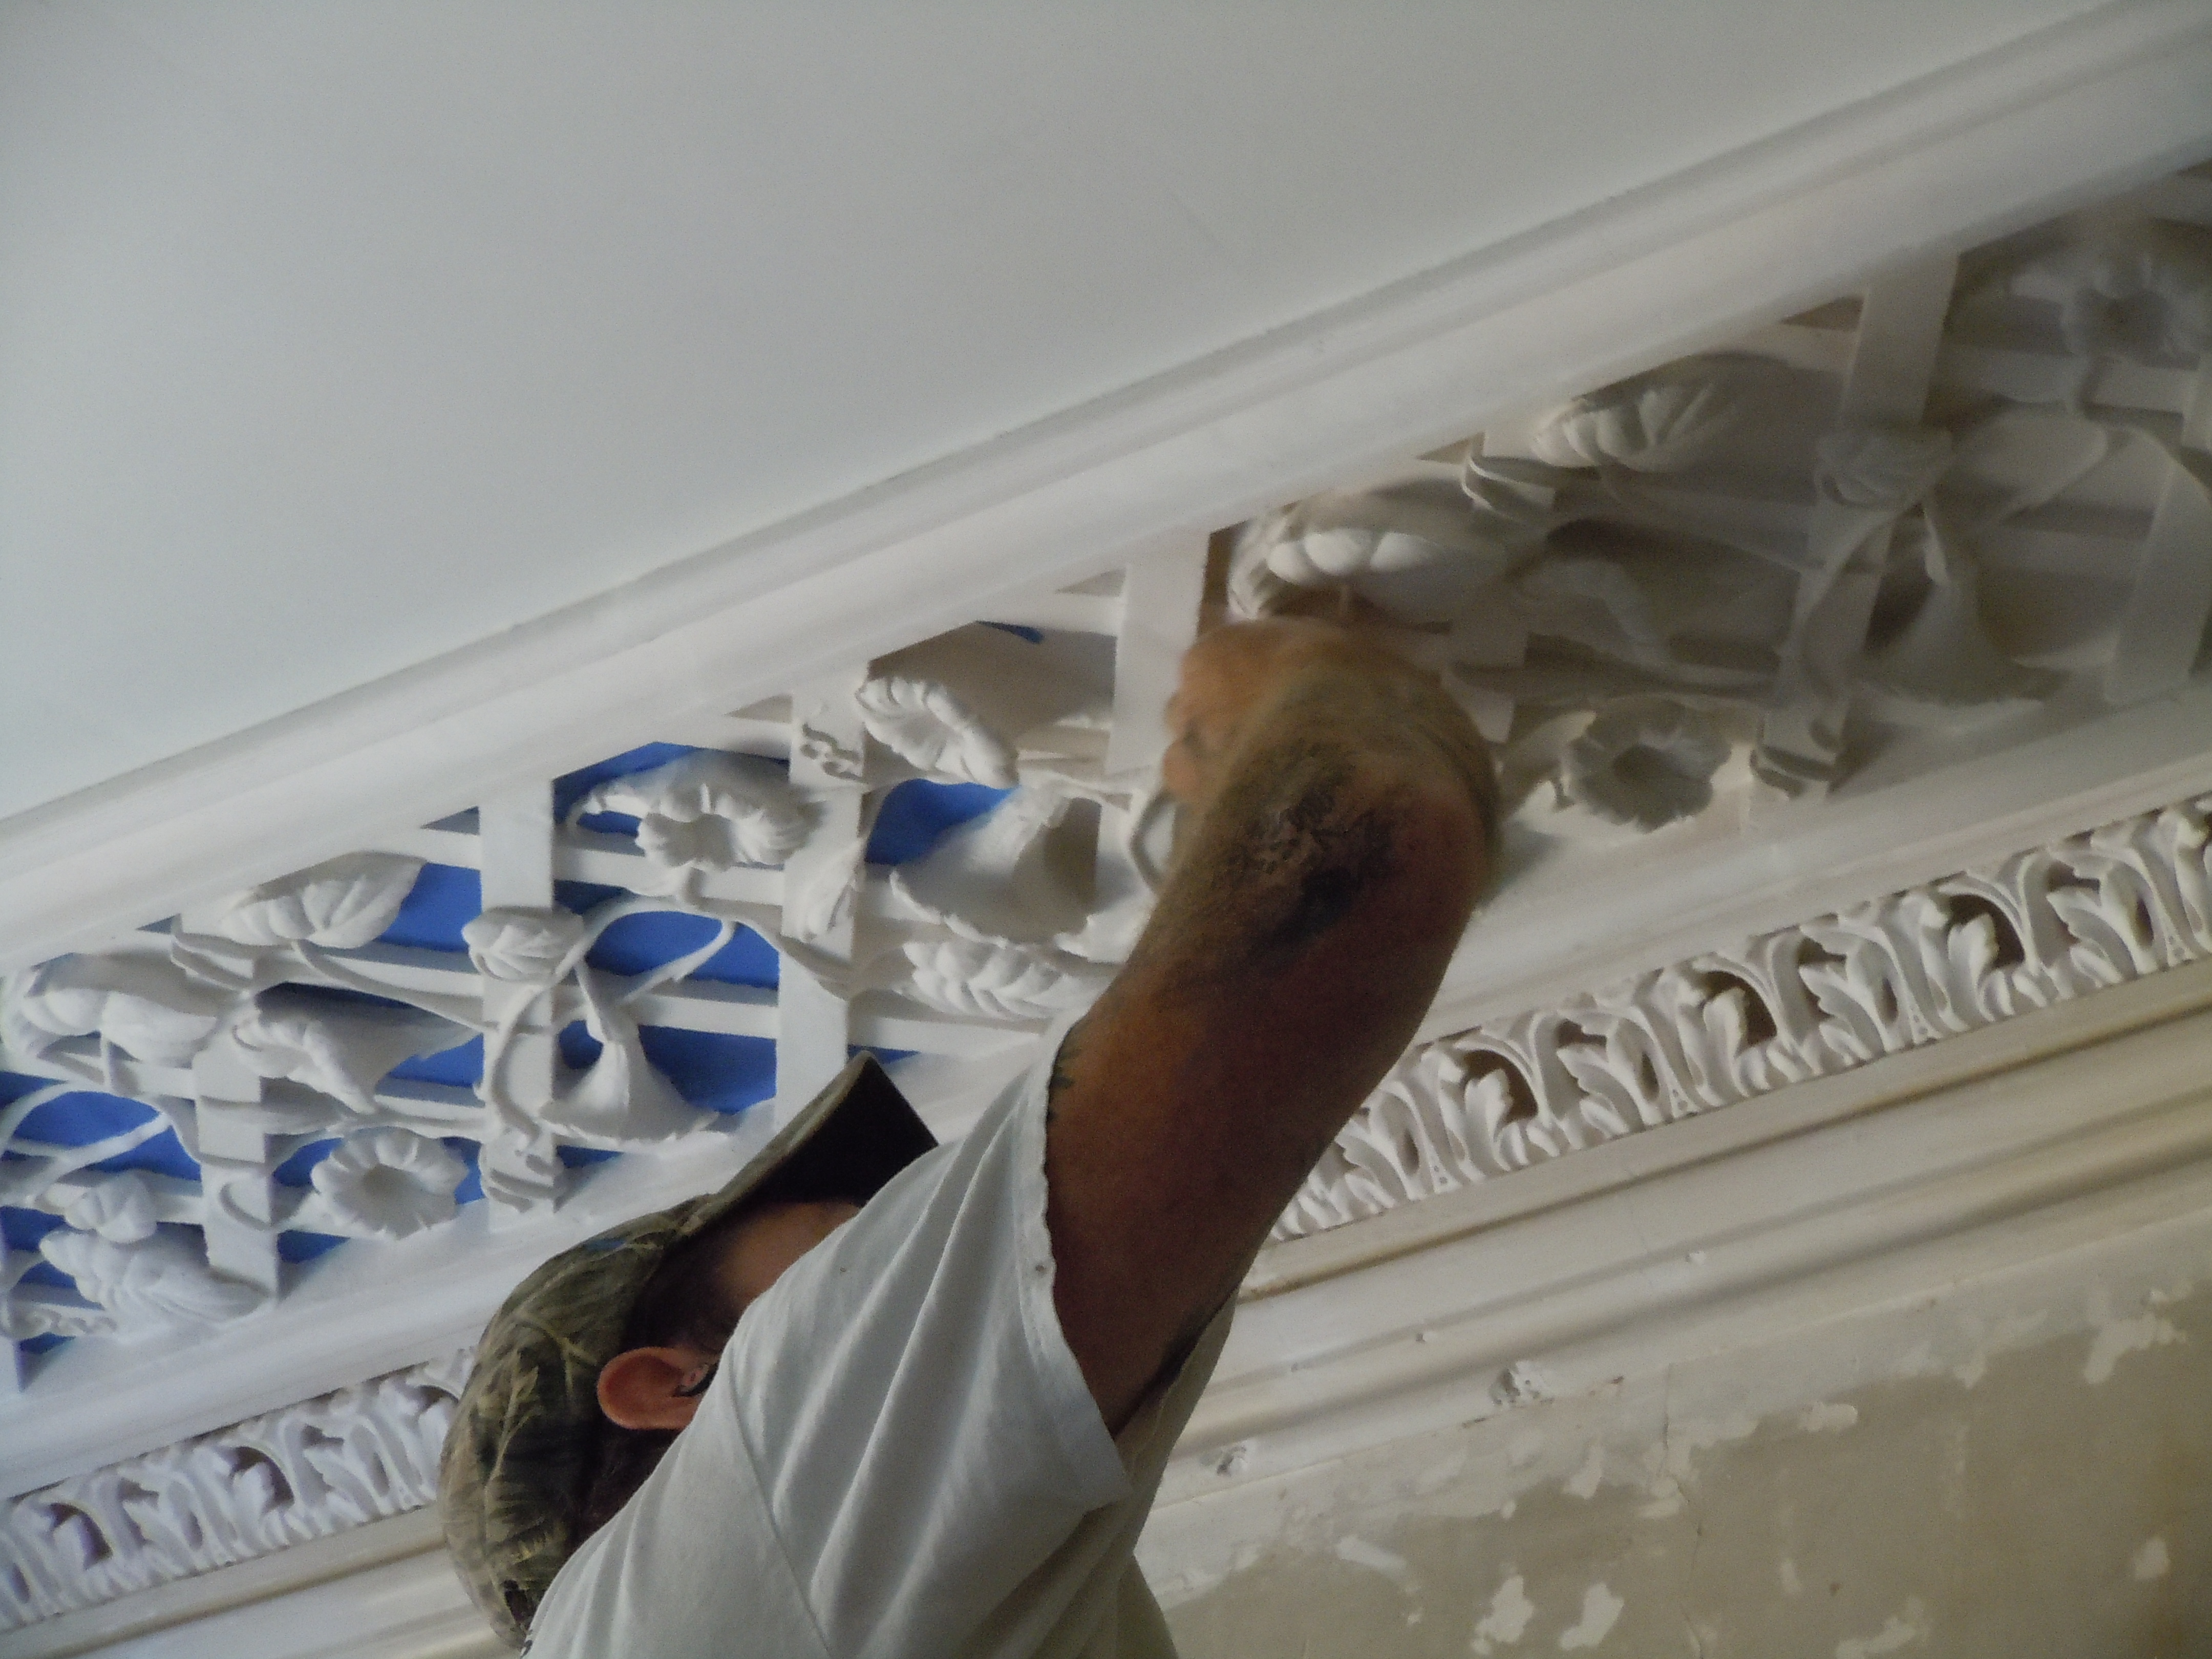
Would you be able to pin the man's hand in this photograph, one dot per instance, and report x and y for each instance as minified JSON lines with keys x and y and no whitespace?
{"x":1233,"y":674}
{"x":1339,"y":819}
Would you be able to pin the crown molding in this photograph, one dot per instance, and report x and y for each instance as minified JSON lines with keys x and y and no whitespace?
{"x":2075,"y":111}
{"x":308,"y":1472}
{"x":387,"y":1590}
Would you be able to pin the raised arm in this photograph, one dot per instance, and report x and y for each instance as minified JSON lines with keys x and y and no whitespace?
{"x":1335,"y":803}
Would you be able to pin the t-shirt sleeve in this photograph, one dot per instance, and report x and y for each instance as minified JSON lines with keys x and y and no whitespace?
{"x":900,"y":1415}
{"x":922,"y":1432}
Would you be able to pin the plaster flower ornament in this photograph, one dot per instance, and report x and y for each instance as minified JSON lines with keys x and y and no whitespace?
{"x":709,"y":811}
{"x":388,"y":1182}
{"x":1645,"y":762}
{"x":341,"y":904}
{"x":2146,"y":296}
{"x":1000,"y":878}
{"x":523,"y":945}
{"x":119,"y":1208}
{"x":621,"y":1101}
{"x":145,"y":1006}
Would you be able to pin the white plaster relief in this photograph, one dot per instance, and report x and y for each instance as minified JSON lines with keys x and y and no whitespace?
{"x":223,"y":1028}
{"x":1725,"y":534}
{"x":2039,"y":927}
{"x":310,"y":1470}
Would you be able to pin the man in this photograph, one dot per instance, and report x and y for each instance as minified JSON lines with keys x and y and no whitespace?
{"x":877,"y":1399}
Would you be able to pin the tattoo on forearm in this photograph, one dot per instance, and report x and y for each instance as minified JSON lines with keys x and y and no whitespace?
{"x":1063,"y":1060}
{"x":1292,"y":845}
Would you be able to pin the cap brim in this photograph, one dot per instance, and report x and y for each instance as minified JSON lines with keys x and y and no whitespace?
{"x":847,"y":1142}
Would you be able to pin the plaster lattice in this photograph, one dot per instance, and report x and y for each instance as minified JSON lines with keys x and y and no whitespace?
{"x":308,"y":1471}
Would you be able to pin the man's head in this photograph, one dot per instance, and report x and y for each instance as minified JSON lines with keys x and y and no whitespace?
{"x":682,"y":1321}
{"x":534,"y":1460}
{"x":687,"y":1312}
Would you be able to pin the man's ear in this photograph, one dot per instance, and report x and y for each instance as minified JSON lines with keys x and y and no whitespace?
{"x":638,"y":1388}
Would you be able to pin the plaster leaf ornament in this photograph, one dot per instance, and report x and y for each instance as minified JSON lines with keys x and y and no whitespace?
{"x":388,"y":1182}
{"x":1645,"y":762}
{"x":341,"y":1049}
{"x":710,"y":811}
{"x":928,"y":725}
{"x":821,"y":900}
{"x":1003,"y":877}
{"x":521,"y":1171}
{"x":340,"y":904}
{"x":119,"y":1208}
{"x":966,"y":704}
{"x":1661,"y":422}
{"x":1407,"y":546}
{"x":620,"y":1100}
{"x":524,"y":945}
{"x":28,"y":1311}
{"x":1689,"y":618}
{"x":145,"y":1006}
{"x":977,"y":980}
{"x":158,"y":1281}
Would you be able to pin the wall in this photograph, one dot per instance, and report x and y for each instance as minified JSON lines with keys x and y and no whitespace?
{"x":1981,"y":1499}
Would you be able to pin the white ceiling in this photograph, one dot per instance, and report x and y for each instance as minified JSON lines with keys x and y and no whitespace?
{"x":334,"y":338}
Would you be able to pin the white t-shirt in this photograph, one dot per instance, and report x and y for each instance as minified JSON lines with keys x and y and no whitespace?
{"x":898,"y":1459}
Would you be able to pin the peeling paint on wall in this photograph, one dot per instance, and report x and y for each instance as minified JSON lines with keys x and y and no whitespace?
{"x":1510,"y":1610}
{"x":1600,"y":1610}
{"x":1732,"y":1521}
{"x":2150,"y":1561}
{"x":2116,"y":1338}
{"x":1899,"y":1631}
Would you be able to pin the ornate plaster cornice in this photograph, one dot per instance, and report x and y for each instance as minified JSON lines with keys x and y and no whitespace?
{"x":310,"y":1470}
{"x":2041,"y":926}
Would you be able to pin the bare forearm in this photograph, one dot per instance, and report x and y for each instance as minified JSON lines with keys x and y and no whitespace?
{"x":1309,"y":917}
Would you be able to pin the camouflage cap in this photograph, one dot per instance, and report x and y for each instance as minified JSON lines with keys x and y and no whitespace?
{"x":518,"y":1458}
